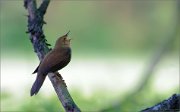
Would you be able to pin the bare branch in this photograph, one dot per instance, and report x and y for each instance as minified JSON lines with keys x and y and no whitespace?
{"x":65,"y":98}
{"x":35,"y":24}
{"x":43,"y":7}
{"x":171,"y":105}
{"x":30,"y":5}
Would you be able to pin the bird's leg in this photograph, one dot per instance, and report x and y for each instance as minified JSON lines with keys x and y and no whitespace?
{"x":58,"y":75}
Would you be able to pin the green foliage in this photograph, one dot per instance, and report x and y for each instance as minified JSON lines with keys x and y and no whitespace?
{"x":41,"y":103}
{"x":98,"y":101}
{"x":95,"y":28}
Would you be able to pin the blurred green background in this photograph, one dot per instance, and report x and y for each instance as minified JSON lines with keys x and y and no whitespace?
{"x":125,"y":54}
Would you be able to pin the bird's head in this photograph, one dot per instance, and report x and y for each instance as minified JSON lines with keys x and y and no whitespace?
{"x":63,"y":41}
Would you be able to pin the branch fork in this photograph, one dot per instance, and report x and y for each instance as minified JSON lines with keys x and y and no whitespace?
{"x":37,"y":37}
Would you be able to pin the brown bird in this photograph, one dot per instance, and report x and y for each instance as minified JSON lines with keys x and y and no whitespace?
{"x":55,"y":60}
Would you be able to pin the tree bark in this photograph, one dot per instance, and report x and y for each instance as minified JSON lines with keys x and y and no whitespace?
{"x":37,"y":37}
{"x":170,"y":105}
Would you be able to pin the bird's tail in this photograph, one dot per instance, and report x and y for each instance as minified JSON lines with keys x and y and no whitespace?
{"x":37,"y":84}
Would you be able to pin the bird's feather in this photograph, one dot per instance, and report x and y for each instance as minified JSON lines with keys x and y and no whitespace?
{"x":55,"y":60}
{"x":37,"y":84}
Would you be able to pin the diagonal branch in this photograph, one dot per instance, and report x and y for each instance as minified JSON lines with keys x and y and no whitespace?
{"x":170,"y":105}
{"x":37,"y":37}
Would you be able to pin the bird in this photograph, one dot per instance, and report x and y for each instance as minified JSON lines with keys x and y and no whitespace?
{"x":53,"y":61}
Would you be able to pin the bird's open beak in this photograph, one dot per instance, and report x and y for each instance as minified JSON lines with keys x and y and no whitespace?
{"x":68,"y":39}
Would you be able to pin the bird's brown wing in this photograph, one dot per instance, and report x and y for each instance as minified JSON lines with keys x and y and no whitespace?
{"x":54,"y":61}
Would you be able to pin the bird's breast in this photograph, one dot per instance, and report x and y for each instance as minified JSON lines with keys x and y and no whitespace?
{"x":55,"y":60}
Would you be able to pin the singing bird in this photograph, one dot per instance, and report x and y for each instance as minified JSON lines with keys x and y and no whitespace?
{"x":55,"y":60}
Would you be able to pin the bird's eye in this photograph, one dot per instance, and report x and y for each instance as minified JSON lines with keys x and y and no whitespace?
{"x":64,"y":39}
